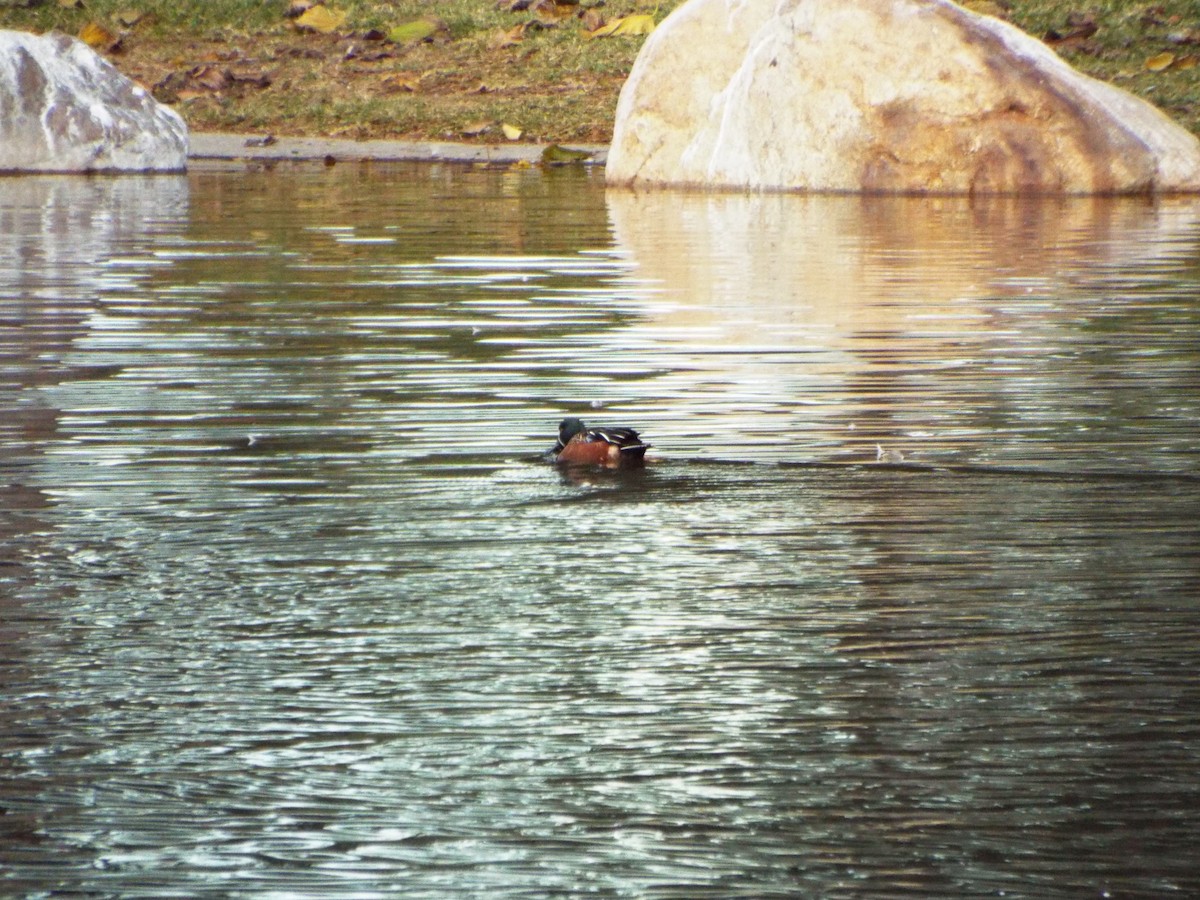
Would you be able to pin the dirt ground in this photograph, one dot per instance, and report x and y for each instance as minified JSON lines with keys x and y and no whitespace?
{"x":496,"y":71}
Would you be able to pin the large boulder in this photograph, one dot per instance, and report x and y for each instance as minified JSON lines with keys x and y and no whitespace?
{"x":65,"y":109}
{"x":917,"y":96}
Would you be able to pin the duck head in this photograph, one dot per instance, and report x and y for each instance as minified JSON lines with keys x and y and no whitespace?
{"x":568,"y":428}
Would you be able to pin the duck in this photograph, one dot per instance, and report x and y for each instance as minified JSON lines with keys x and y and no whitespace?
{"x":611,"y":447}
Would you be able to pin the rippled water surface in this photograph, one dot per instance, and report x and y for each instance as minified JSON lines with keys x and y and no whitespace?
{"x":290,"y":604}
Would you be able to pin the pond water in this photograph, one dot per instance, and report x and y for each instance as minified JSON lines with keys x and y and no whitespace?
{"x":292,"y":606}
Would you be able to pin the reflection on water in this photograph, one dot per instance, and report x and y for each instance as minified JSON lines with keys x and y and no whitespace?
{"x":1003,"y":331}
{"x":291,"y":606}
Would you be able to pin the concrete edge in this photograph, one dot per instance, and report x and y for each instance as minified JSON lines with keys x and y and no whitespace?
{"x":215,"y":146}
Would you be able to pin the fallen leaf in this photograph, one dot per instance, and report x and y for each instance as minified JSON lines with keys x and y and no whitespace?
{"x":321,"y":19}
{"x":508,"y":37}
{"x":371,"y":56}
{"x":557,"y":155}
{"x":298,"y":53}
{"x":550,"y":13}
{"x":98,"y":37}
{"x":476,"y":128}
{"x":69,"y":4}
{"x":209,"y":77}
{"x":1187,"y":62}
{"x":401,"y":82}
{"x":1160,"y":61}
{"x":417,"y":31}
{"x":637,"y":24}
{"x":1152,"y":17}
{"x":168,"y":86}
{"x":592,"y":19}
{"x":512,"y":132}
{"x":297,"y":8}
{"x":130,"y":17}
{"x":252,"y":77}
{"x":1081,"y":27}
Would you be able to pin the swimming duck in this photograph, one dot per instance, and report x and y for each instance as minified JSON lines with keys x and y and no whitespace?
{"x":579,"y":445}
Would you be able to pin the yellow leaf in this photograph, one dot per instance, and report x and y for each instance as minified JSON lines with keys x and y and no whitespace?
{"x":1187,"y":62}
{"x":1160,"y":62}
{"x":416,"y":31}
{"x":406,"y":82}
{"x":639,"y":24}
{"x":477,"y":128}
{"x":130,"y":17}
{"x":98,"y":37}
{"x":508,"y":37}
{"x":321,"y":19}
{"x":512,"y":132}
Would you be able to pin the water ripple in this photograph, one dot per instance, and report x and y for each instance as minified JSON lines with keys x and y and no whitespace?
{"x":292,"y":606}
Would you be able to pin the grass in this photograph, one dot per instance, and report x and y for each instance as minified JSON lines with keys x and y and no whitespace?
{"x":1127,"y":36}
{"x":242,"y":65}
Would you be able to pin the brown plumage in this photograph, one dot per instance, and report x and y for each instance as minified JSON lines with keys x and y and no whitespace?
{"x":612,"y":448}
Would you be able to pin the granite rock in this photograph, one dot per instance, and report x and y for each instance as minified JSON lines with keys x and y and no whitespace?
{"x":890,"y":96}
{"x":63,"y":108}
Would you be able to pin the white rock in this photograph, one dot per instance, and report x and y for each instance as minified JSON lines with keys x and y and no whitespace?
{"x":914,"y":96}
{"x":63,"y":108}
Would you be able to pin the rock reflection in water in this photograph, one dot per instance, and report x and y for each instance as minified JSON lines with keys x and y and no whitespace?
{"x":955,"y":329}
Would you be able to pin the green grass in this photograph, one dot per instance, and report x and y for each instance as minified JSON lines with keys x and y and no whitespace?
{"x":1128,"y":35}
{"x":161,"y":17}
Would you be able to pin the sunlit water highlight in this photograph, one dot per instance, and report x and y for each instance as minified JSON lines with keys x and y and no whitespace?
{"x":291,"y":605}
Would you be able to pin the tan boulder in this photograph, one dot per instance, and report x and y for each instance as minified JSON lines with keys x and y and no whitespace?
{"x":912,"y":96}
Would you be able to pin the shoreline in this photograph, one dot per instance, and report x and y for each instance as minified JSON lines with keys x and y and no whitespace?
{"x":228,"y":147}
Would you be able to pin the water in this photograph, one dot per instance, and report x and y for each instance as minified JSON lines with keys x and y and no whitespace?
{"x":291,"y":605}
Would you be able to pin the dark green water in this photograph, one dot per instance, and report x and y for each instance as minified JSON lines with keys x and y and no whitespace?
{"x":291,"y":607}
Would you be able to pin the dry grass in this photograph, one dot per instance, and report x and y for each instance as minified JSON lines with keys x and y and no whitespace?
{"x":242,"y":65}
